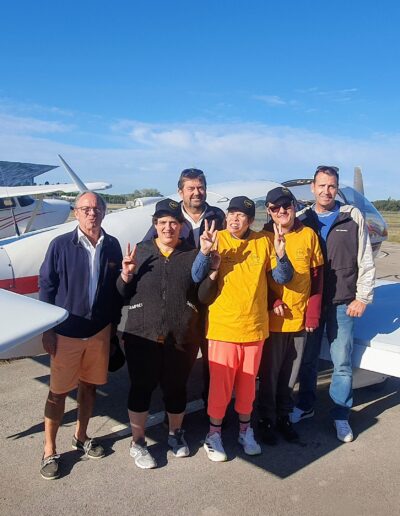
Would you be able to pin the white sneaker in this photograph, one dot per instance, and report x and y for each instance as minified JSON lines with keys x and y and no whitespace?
{"x":250,"y":445}
{"x":343,"y":430}
{"x":214,"y":447}
{"x":298,"y":414}
{"x":141,"y":455}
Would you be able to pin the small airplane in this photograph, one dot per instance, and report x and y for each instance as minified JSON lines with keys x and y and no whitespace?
{"x":21,"y":257}
{"x":21,"y":213}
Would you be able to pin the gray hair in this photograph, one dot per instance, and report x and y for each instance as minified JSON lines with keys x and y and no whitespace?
{"x":99,"y":198}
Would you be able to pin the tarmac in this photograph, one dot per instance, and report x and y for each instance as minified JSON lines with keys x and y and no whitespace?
{"x":316,"y":476}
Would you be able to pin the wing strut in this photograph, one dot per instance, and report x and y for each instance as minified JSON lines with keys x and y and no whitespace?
{"x":17,"y":232}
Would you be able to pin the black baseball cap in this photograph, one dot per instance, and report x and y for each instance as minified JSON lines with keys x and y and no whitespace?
{"x":243,"y":204}
{"x":169,"y":207}
{"x":280,"y":193}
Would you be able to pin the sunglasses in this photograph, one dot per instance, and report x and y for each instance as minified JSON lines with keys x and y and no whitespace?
{"x":286,"y":206}
{"x":327,"y":167}
{"x":192,"y":173}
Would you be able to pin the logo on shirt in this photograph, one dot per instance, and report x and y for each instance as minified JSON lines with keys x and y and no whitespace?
{"x":133,"y":307}
{"x":255,"y":259}
{"x":300,"y":254}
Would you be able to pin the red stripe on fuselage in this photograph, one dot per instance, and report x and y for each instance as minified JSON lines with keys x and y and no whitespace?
{"x":27,"y":285}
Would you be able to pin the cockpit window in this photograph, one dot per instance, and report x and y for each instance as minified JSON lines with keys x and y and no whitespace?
{"x":25,"y":200}
{"x":7,"y":203}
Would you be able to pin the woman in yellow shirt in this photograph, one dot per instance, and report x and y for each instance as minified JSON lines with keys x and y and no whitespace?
{"x":236,"y":289}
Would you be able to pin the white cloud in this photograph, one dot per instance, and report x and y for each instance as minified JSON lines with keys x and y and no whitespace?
{"x":132,"y":154}
{"x":10,"y":124}
{"x":270,"y":100}
{"x":24,"y":108}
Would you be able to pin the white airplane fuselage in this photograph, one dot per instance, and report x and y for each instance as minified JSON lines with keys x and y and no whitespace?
{"x":21,"y":257}
{"x":26,"y":213}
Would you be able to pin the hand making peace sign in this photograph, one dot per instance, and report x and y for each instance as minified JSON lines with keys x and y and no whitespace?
{"x":129,"y":261}
{"x":279,"y":240}
{"x":208,"y":239}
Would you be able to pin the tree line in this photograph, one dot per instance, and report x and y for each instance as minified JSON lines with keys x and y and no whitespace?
{"x":121,"y":198}
{"x":387,"y":205}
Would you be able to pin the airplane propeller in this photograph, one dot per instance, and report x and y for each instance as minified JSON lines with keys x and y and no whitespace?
{"x":358,"y":180}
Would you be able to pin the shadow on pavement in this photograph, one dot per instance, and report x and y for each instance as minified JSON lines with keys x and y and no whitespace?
{"x":317,"y":435}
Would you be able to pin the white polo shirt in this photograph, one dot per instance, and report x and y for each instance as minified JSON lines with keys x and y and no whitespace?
{"x":194,"y":224}
{"x":94,"y":262}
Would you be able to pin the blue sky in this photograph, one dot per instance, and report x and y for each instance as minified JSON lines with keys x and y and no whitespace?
{"x":135,"y":91}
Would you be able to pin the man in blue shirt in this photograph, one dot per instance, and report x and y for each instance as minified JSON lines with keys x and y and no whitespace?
{"x":349,"y":274}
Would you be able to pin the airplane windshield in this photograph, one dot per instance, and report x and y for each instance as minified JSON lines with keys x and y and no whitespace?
{"x":25,"y":200}
{"x":351,"y":196}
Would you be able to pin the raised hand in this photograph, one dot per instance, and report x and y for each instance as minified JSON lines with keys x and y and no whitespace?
{"x":129,"y":261}
{"x":208,"y":238}
{"x":279,"y":240}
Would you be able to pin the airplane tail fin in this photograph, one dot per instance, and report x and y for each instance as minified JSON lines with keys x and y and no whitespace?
{"x":358,"y":180}
{"x":79,"y":184}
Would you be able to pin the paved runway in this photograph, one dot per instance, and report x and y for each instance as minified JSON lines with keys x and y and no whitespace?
{"x":318,"y":476}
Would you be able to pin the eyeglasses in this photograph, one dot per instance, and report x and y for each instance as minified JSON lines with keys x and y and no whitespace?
{"x":87,"y":209}
{"x":286,"y":206}
{"x":327,"y":167}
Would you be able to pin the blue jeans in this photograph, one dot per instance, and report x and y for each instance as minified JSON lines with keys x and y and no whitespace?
{"x":339,"y":330}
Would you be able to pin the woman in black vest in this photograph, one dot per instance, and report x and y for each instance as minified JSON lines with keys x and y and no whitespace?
{"x":160,"y":335}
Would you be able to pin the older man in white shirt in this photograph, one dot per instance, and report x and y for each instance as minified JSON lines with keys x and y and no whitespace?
{"x":79,"y":274}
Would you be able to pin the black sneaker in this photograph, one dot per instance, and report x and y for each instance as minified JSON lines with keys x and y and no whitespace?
{"x":178,"y":443}
{"x":90,"y":447}
{"x":49,"y":467}
{"x":286,"y":429}
{"x":267,"y":429}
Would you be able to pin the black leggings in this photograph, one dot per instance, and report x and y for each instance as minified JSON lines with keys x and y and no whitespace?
{"x":151,"y":363}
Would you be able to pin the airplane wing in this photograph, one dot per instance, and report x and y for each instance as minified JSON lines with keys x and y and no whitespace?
{"x":377,"y":334}
{"x":23,"y":318}
{"x":15,"y":191}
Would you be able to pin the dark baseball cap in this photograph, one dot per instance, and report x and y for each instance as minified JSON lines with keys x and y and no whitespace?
{"x":280,"y":193}
{"x":169,"y":207}
{"x":243,"y":204}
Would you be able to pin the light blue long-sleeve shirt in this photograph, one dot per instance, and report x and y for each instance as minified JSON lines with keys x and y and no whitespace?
{"x":282,"y":273}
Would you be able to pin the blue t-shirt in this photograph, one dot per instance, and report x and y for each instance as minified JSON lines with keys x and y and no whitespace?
{"x":326,"y":219}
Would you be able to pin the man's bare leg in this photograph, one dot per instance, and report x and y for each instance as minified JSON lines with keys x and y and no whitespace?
{"x":86,"y":400}
{"x":53,"y":414}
